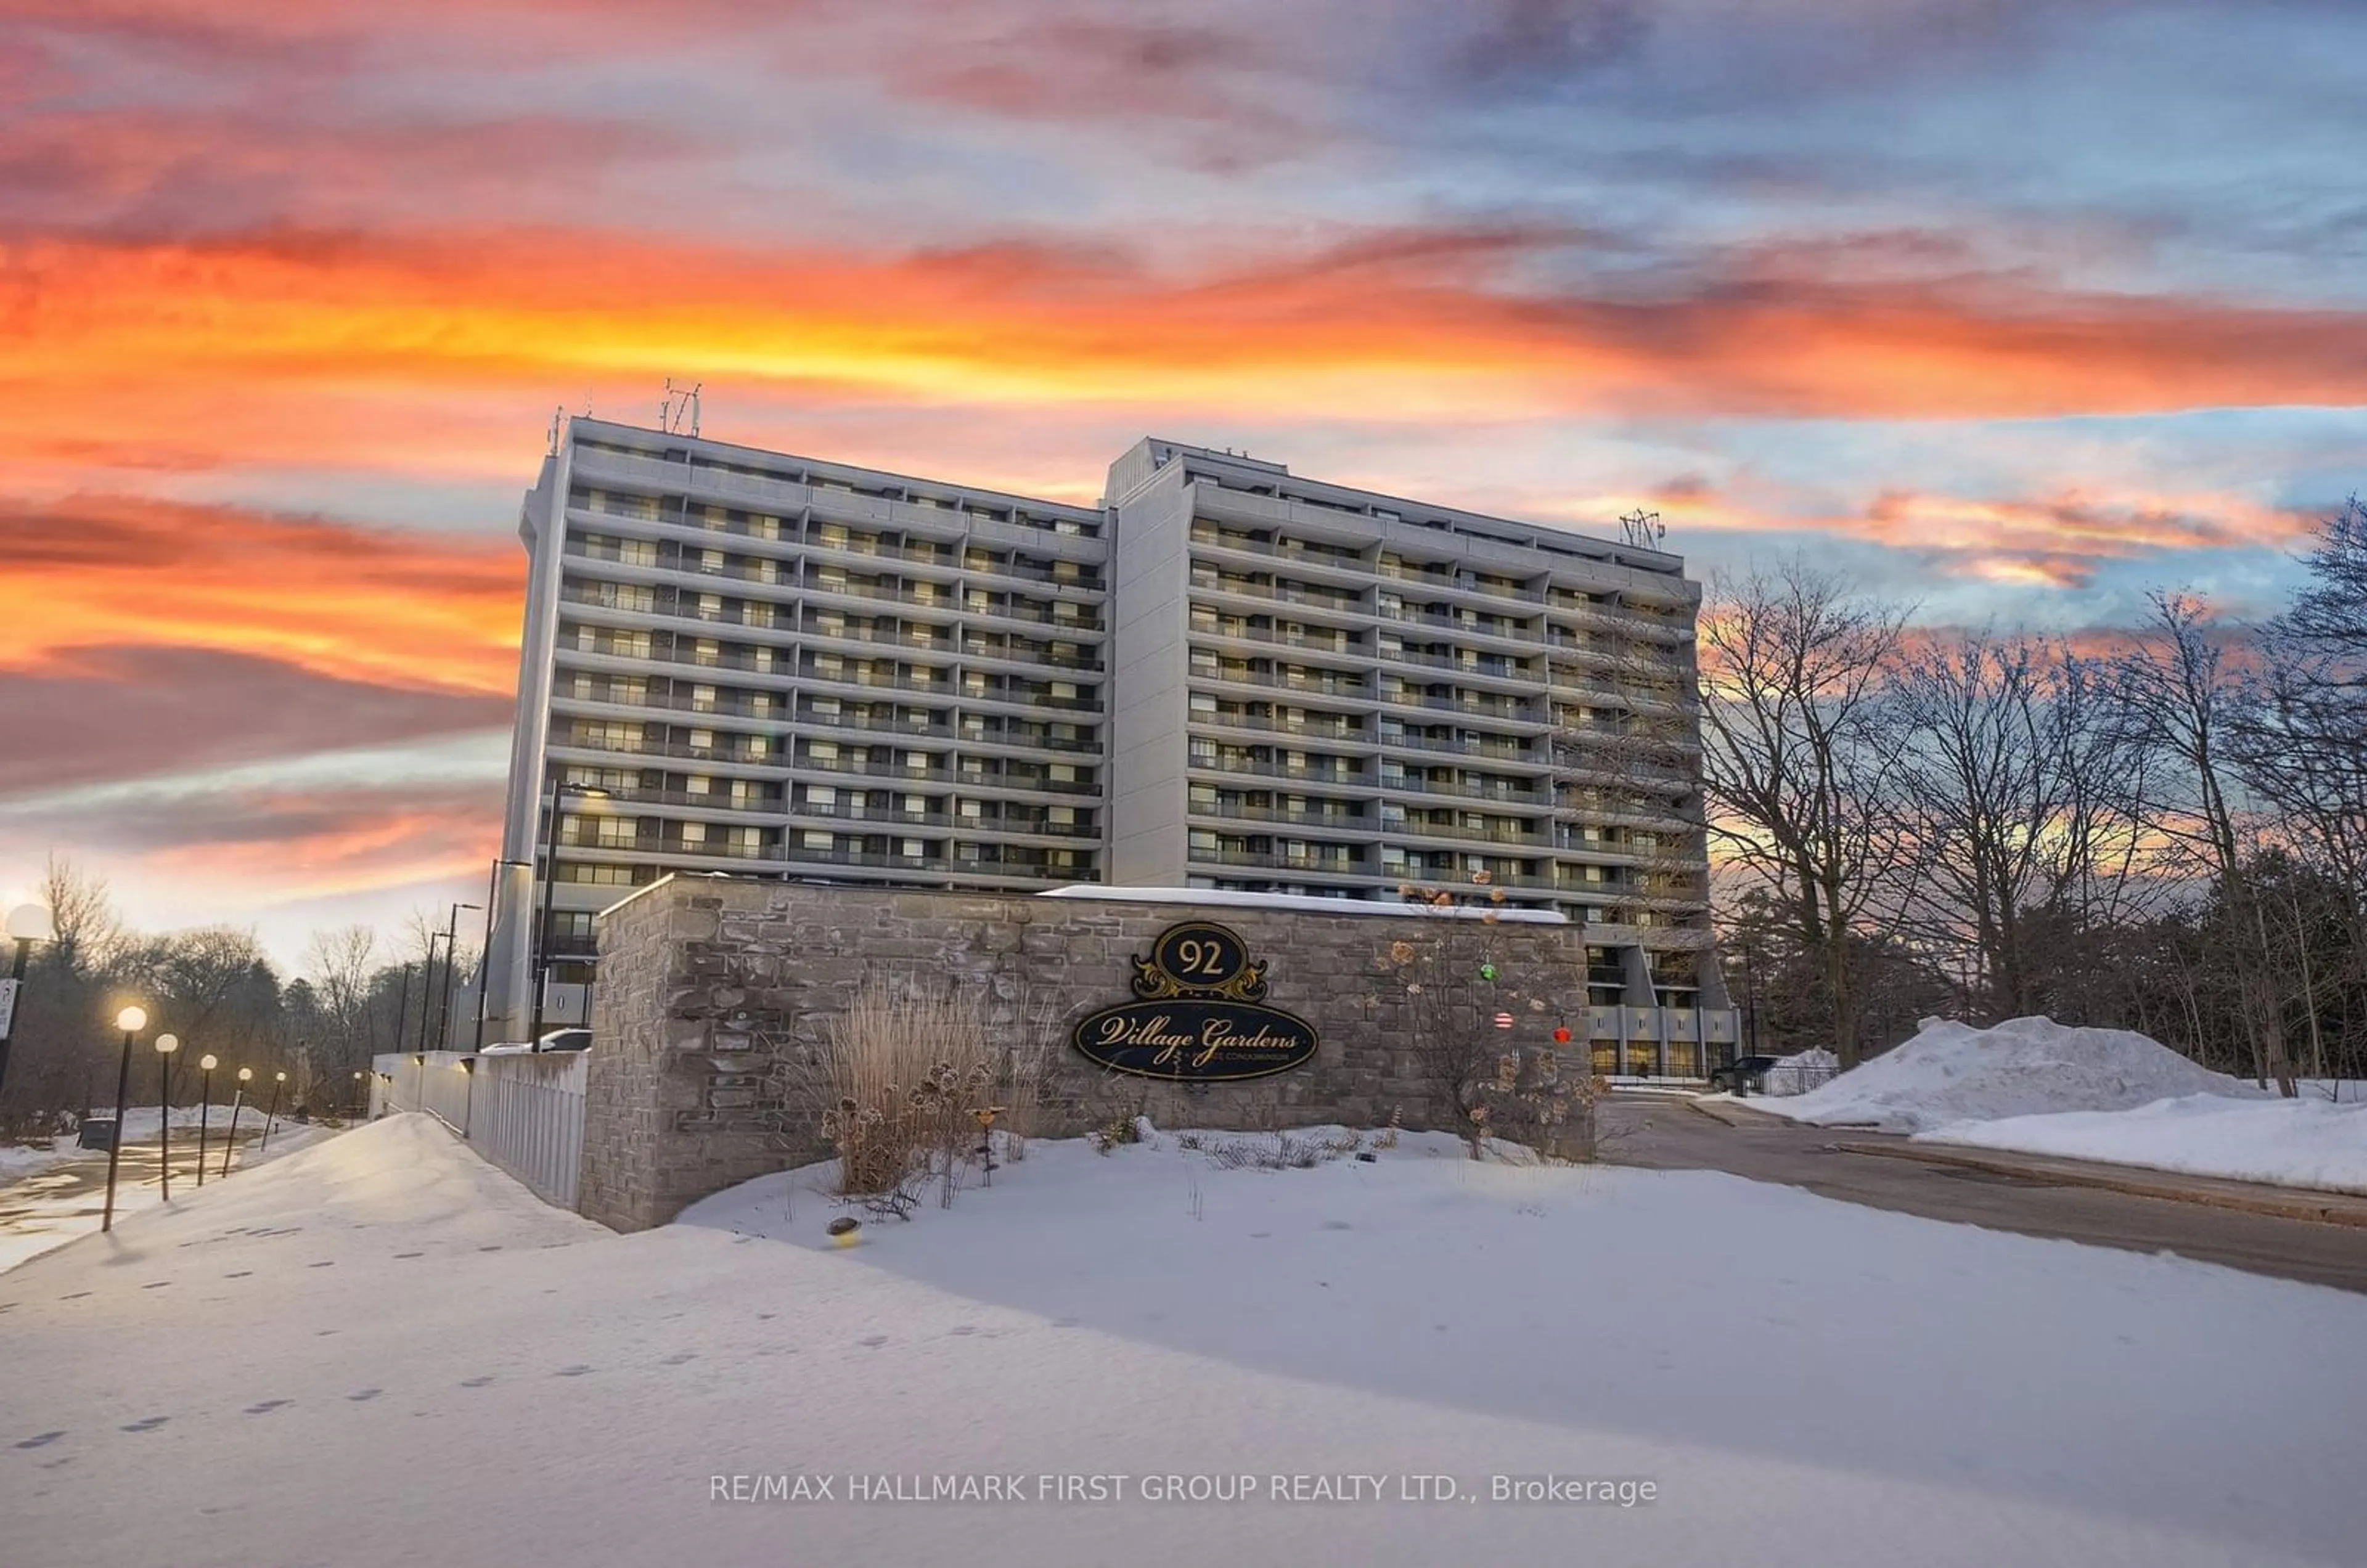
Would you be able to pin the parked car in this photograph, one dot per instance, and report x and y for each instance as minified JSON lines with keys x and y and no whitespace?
{"x":565,"y":1040}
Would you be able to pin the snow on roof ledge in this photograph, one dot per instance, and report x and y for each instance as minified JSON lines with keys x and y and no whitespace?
{"x":1308,"y":902}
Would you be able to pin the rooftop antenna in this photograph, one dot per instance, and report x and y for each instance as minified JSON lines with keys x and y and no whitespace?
{"x":1644,"y":529}
{"x":557,"y":418}
{"x":678,"y":412}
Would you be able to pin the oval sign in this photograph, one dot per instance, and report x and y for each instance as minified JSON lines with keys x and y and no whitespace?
{"x":1197,"y":1040}
{"x":1199,"y":956}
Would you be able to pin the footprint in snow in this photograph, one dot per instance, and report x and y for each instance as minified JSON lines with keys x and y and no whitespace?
{"x":963,"y":1328}
{"x":475,"y":1383}
{"x":359,"y":1396}
{"x":40,"y":1441}
{"x":150,"y":1424}
{"x":76,"y":1296}
{"x":324,"y":1263}
{"x":496,"y":1248}
{"x":241,"y":1274}
{"x":677,"y":1358}
{"x":873,"y":1340}
{"x":410,"y":1255}
{"x":1335,"y":1226}
{"x":156,"y":1284}
{"x":570,"y":1371}
{"x":267,"y":1406}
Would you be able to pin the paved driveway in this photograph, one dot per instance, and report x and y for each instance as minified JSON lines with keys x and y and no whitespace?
{"x":1669,"y":1135}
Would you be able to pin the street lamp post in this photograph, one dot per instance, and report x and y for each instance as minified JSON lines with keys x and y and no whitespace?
{"x":451,"y":940}
{"x":131,"y":1021}
{"x":28,"y":924}
{"x":550,"y":882}
{"x":206,"y":1066}
{"x":277,"y":1079}
{"x":361,"y":1103}
{"x":165,"y":1045}
{"x":229,"y":1139}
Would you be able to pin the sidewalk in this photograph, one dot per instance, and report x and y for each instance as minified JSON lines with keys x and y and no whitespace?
{"x":2143,"y":1181}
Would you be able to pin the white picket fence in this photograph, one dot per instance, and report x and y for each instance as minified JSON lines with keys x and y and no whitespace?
{"x":523,"y":1113}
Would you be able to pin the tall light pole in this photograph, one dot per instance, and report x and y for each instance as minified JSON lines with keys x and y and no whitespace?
{"x":451,"y":938}
{"x":278,"y":1080}
{"x":428,"y":986}
{"x":165,"y":1045}
{"x":206,"y":1066}
{"x":549,"y":882}
{"x":229,"y":1139}
{"x":403,"y":1011}
{"x":131,"y":1021}
{"x":28,"y":924}
{"x":485,"y":954}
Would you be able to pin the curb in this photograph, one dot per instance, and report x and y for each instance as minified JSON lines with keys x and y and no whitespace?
{"x":2287,"y":1203}
{"x":1734,"y":1115}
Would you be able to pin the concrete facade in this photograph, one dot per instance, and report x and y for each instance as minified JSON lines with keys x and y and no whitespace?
{"x":715,"y":993}
{"x":1219,"y":676}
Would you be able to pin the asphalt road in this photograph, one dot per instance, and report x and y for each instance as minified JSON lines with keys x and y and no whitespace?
{"x":1671,"y":1135}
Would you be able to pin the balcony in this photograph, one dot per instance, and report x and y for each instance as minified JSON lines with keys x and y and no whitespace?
{"x":1339,"y":778}
{"x":935,"y":730}
{"x":1332,"y":821}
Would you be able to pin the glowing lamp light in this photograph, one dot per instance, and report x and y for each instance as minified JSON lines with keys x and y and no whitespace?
{"x":281,"y":1078}
{"x":30,"y":922}
{"x":208,"y":1063}
{"x":1562,"y":1035}
{"x":168,"y":1044}
{"x":246,"y":1075}
{"x":131,"y":1019}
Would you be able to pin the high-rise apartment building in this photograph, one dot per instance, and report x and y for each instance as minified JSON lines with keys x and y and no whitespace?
{"x":1222,"y":677}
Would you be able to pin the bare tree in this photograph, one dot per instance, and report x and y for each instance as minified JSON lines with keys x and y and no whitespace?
{"x":2012,"y":789}
{"x":2183,"y":701}
{"x":1624,"y":751}
{"x":1798,"y":758}
{"x":337,"y":964}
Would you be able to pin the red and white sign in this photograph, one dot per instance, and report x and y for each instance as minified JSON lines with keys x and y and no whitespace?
{"x":1503,"y":1021}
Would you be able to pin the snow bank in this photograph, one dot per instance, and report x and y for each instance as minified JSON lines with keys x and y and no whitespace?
{"x":1953,"y":1072}
{"x":2292,"y":1143}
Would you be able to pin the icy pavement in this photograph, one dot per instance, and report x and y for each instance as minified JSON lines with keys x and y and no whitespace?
{"x":381,"y":1351}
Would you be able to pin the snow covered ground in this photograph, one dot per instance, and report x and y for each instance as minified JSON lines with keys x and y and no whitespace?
{"x":47,"y":1202}
{"x":2293,"y":1143}
{"x":381,"y":1350}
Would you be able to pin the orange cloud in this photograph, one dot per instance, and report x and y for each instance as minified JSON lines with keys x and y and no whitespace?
{"x":403,"y":609}
{"x":2051,"y":542}
{"x":351,"y":843}
{"x":346,"y":339}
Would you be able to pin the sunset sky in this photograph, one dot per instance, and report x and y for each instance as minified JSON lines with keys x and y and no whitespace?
{"x":2015,"y":308}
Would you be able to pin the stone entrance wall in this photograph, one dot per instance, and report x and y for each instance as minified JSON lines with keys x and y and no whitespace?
{"x":712,"y":992}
